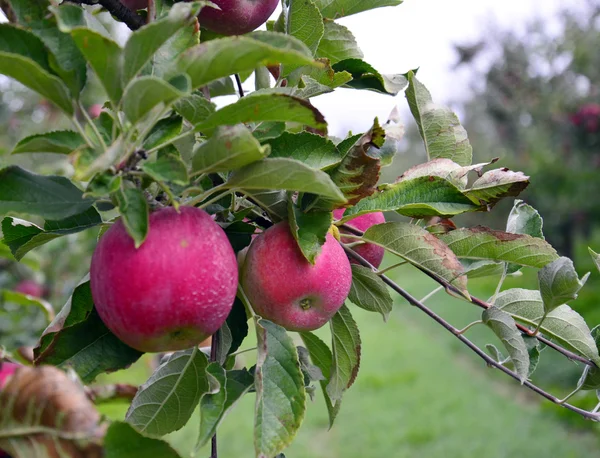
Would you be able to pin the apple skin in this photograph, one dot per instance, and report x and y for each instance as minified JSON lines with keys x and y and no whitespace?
{"x":236,"y":17}
{"x":135,"y":5}
{"x":6,"y":370}
{"x":285,"y":288}
{"x":174,"y":291}
{"x":30,"y":287}
{"x":372,"y":253}
{"x":95,"y":110}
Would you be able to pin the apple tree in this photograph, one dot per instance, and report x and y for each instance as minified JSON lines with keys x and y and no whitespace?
{"x":219,"y":220}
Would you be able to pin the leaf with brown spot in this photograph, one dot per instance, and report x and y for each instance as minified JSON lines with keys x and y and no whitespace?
{"x":484,"y":243}
{"x":495,"y":185}
{"x":44,"y":414}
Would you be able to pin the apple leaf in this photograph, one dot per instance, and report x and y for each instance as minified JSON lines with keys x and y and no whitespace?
{"x":222,"y":57}
{"x":483,"y":243}
{"x":309,"y":229}
{"x":590,"y":379}
{"x":45,"y":414}
{"x":145,"y":42}
{"x":559,"y":283}
{"x":346,"y":353}
{"x":232,"y":385}
{"x":303,"y":21}
{"x":164,"y":130}
{"x":595,"y":257}
{"x":264,"y":108}
{"x":416,"y":198}
{"x":366,"y":77}
{"x":275,"y":203}
{"x":313,"y":150}
{"x":280,"y":392}
{"x":166,"y":401}
{"x":369,"y":292}
{"x":168,"y":167}
{"x":524,"y":219}
{"x":24,"y":58}
{"x":122,"y":441}
{"x":504,"y":327}
{"x":562,"y":324}
{"x":420,"y":248}
{"x":338,"y":44}
{"x":59,"y":141}
{"x":22,"y":236}
{"x":25,"y":300}
{"x":321,"y":356}
{"x":133,"y":207}
{"x":194,"y":108}
{"x":495,"y":185}
{"x":51,"y":197}
{"x":286,"y":174}
{"x":335,"y":9}
{"x":146,"y":92}
{"x":78,"y":338}
{"x":230,"y":148}
{"x":442,"y":133}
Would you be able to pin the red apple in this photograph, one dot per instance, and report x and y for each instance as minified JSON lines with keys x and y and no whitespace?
{"x":30,"y":287}
{"x":6,"y":370}
{"x":95,"y":110}
{"x":175,"y":290}
{"x":236,"y":17}
{"x":372,"y":253}
{"x":135,"y":5}
{"x":284,"y":287}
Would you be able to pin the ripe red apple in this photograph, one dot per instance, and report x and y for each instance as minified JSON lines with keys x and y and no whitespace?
{"x":95,"y":110}
{"x":236,"y":17}
{"x":135,"y":5}
{"x":284,"y":287}
{"x":30,"y":287}
{"x":175,"y":290}
{"x":372,"y":253}
{"x":6,"y":370}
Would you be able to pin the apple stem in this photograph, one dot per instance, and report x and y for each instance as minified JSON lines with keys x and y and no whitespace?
{"x":238,"y":81}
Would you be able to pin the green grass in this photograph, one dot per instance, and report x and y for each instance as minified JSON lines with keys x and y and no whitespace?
{"x":419,"y":392}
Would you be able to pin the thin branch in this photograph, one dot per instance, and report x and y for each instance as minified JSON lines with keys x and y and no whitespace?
{"x":238,"y":81}
{"x":130,"y":18}
{"x":488,"y":360}
{"x":484,"y":305}
{"x":214,"y":349}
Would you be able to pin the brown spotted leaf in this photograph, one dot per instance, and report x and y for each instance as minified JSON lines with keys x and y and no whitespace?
{"x":44,"y":414}
{"x":420,"y":248}
{"x":495,"y":185}
{"x":483,"y":243}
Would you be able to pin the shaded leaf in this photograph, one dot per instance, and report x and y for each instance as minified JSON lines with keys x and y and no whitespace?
{"x":194,"y":108}
{"x":168,"y":167}
{"x":559,"y":283}
{"x":595,"y":257}
{"x":164,"y":130}
{"x":524,"y":219}
{"x":366,"y":77}
{"x":60,"y":142}
{"x":122,"y":441}
{"x":369,"y":292}
{"x":309,"y":229}
{"x":133,"y":207}
{"x":495,"y":185}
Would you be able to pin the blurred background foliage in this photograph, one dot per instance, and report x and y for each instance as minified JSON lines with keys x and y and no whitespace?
{"x":535,"y":104}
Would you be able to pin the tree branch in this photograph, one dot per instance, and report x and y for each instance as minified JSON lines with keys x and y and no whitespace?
{"x":484,"y":305}
{"x":130,"y":18}
{"x":488,"y":360}
{"x":214,"y":350}
{"x":8,"y":11}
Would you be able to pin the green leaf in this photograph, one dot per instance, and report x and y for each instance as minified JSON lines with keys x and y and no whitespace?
{"x":286,"y":174}
{"x":167,"y":167}
{"x":78,"y":338}
{"x":524,"y":219}
{"x":417,"y":198}
{"x":280,"y":392}
{"x":133,"y":207}
{"x":442,"y":133}
{"x":222,"y":57}
{"x":313,"y":150}
{"x":420,"y":248}
{"x":321,"y":356}
{"x":51,"y":197}
{"x":483,"y":243}
{"x":194,"y":108}
{"x":534,"y":348}
{"x":495,"y":185}
{"x":59,"y":141}
{"x":230,"y":148}
{"x":338,"y":44}
{"x":267,"y":107}
{"x":105,"y":58}
{"x":369,"y":292}
{"x":66,"y":59}
{"x":103,"y":184}
{"x":24,"y":58}
{"x":237,"y":322}
{"x":559,"y":283}
{"x":273,"y":202}
{"x":146,"y":92}
{"x":145,"y":42}
{"x":346,"y":353}
{"x":590,"y":379}
{"x":335,"y":9}
{"x":122,"y":441}
{"x":166,"y":402}
{"x":25,"y":300}
{"x":164,"y":130}
{"x":303,"y":21}
{"x":504,"y":327}
{"x":232,"y":385}
{"x":595,"y":257}
{"x":22,"y":236}
{"x":562,"y":324}
{"x":164,"y":62}
{"x":366,"y":77}
{"x":309,"y":229}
